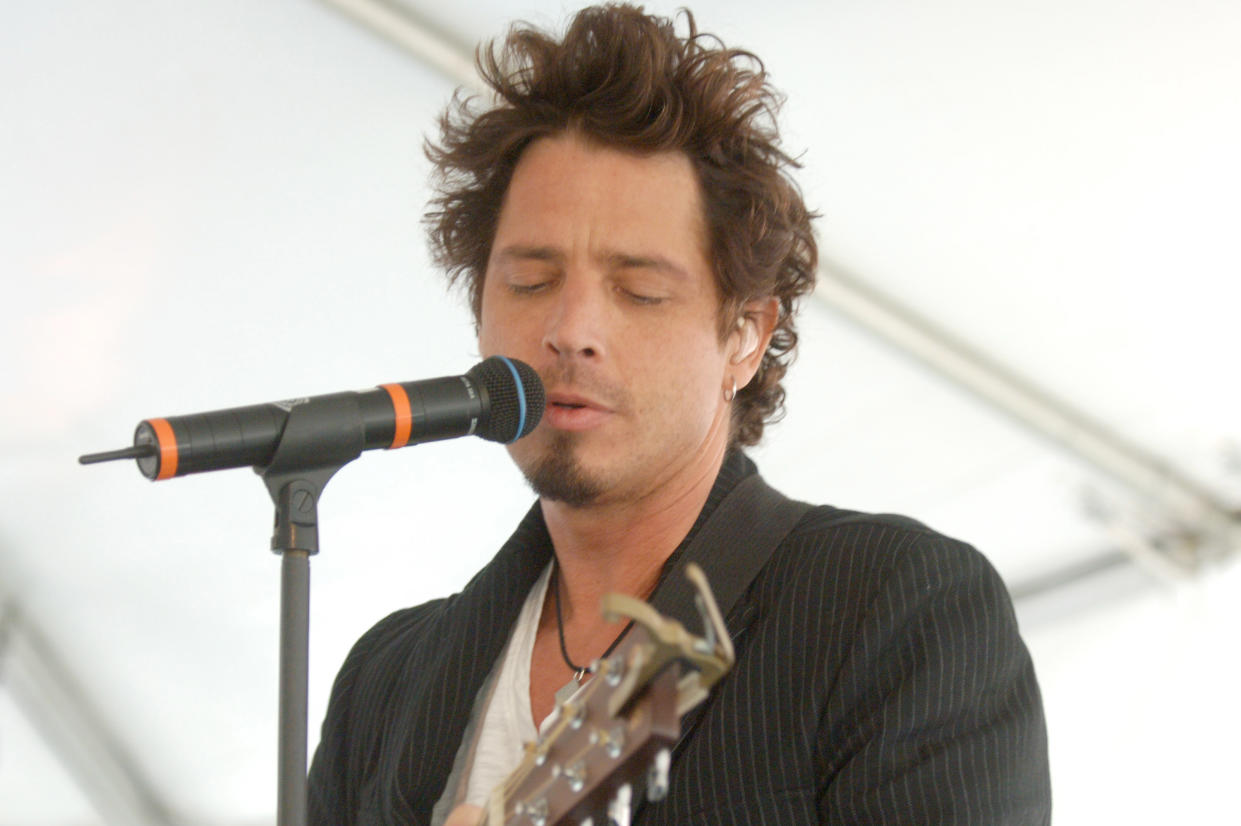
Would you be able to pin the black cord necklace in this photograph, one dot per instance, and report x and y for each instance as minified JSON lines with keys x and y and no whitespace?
{"x":578,"y":671}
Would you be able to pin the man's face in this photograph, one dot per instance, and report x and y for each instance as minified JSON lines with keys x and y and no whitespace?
{"x":599,"y":279}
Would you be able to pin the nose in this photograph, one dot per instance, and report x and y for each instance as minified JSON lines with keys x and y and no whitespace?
{"x":577,"y":324}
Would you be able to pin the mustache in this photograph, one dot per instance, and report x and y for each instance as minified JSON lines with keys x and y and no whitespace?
{"x":576,"y":378}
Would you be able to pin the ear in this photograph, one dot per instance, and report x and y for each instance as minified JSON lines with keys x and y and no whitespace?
{"x":749,"y":339}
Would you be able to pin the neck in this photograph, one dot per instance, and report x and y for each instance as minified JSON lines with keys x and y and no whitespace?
{"x":621,"y":547}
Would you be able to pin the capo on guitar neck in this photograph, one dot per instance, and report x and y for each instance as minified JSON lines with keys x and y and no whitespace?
{"x":709,"y":656}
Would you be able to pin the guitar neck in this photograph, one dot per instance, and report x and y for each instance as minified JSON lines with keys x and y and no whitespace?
{"x":611,"y":742}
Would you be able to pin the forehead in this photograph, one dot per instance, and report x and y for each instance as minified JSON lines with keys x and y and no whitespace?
{"x":569,"y":191}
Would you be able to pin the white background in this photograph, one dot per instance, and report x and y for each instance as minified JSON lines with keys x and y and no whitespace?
{"x":212,"y":204}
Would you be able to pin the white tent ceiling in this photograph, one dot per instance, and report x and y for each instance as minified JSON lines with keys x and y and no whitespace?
{"x":215,"y":204}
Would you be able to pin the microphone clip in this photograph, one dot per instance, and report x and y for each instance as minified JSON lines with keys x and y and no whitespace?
{"x":320,"y":436}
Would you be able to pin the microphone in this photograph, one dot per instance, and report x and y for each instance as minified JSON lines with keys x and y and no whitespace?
{"x":499,"y":399}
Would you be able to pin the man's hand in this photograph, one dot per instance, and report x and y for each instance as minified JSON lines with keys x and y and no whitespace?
{"x":465,"y":815}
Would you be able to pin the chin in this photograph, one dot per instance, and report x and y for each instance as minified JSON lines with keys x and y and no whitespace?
{"x":556,"y":473}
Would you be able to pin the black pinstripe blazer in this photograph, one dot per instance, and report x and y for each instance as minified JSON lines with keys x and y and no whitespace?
{"x":880,"y":678}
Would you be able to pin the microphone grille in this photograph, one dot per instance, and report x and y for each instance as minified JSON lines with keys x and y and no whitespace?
{"x":514,"y":398}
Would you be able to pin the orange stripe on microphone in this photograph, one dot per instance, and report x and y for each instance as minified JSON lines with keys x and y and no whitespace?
{"x":403,"y":419}
{"x":167,"y":448}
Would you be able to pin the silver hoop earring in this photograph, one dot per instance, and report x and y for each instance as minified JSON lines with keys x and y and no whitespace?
{"x":729,"y":395}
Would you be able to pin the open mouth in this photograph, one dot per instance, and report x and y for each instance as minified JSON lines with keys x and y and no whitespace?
{"x":568,"y":411}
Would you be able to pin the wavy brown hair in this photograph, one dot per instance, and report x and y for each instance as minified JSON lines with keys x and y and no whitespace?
{"x":627,"y":80}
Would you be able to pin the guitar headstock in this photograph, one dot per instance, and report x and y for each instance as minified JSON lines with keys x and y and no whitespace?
{"x":612,"y":740}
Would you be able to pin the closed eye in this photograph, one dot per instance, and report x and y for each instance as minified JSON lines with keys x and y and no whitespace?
{"x":641,"y":298}
{"x":527,"y":289}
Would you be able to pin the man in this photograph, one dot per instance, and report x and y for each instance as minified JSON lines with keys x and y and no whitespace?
{"x":624,"y":221}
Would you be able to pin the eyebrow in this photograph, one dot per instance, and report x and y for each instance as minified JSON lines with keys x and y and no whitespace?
{"x":617,"y":260}
{"x":612,"y":258}
{"x":522,"y":252}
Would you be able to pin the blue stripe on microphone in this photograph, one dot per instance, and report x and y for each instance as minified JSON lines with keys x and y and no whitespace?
{"x":521,"y":399}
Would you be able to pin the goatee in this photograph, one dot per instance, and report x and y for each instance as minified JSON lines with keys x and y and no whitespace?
{"x":557,"y":475}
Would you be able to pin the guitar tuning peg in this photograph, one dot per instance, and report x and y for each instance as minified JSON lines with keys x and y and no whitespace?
{"x":614,"y":670}
{"x":536,"y":811}
{"x":657,"y":777}
{"x":620,"y":807}
{"x":575,"y":775}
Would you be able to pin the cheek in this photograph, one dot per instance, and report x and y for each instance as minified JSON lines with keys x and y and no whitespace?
{"x":689,"y":371}
{"x":497,"y":332}
{"x":487,"y":342}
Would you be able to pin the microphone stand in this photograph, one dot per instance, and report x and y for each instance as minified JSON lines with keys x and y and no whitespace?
{"x":499,"y":399}
{"x":320,"y":437}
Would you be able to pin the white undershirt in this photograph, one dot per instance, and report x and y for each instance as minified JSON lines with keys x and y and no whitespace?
{"x":508,"y":723}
